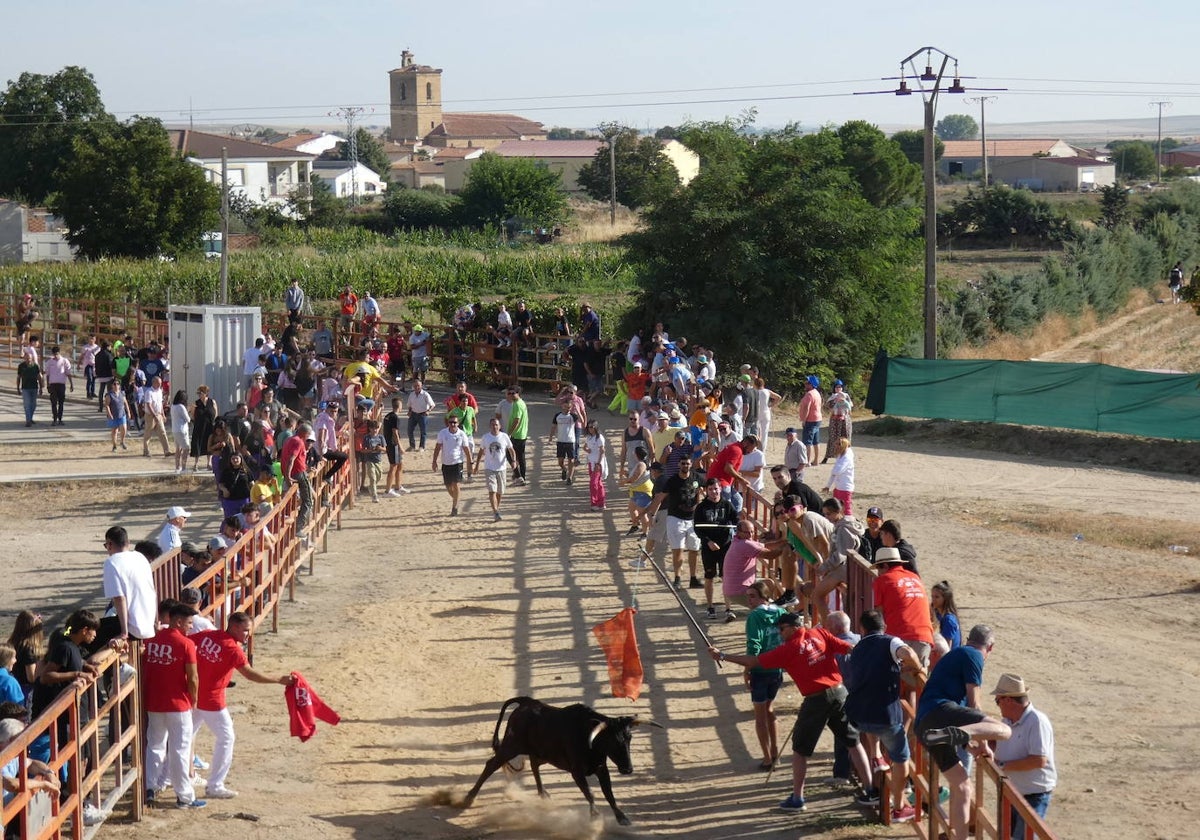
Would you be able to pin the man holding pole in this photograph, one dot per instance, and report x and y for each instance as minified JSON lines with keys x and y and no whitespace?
{"x":807,"y":654}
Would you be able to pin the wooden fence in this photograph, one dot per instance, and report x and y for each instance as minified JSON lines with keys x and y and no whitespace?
{"x":253,"y":576}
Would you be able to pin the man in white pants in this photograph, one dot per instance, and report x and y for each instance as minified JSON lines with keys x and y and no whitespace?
{"x":218,"y":654}
{"x":170,"y":684}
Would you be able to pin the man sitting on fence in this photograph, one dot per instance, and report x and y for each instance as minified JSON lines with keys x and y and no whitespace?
{"x":948,"y":717}
{"x":1027,"y":758}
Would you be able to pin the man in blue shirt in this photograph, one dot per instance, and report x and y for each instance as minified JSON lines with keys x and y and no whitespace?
{"x":948,"y":716}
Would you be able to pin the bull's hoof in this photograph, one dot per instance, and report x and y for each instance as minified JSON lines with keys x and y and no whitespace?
{"x":624,"y":820}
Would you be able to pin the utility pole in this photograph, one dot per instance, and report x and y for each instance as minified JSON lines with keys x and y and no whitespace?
{"x":983,"y":100}
{"x":610,"y":132}
{"x":1158,"y":152}
{"x":350,"y":113}
{"x":224,"y":226}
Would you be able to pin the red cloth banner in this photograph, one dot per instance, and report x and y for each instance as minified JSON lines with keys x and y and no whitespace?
{"x":619,"y":643}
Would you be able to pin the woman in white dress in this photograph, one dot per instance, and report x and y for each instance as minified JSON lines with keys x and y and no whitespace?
{"x":762,"y":403}
{"x":181,"y":430}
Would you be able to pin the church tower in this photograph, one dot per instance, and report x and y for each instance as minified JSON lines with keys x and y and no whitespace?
{"x":416,"y":97}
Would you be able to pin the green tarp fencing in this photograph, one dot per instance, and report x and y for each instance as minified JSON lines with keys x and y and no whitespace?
{"x":1096,"y":398}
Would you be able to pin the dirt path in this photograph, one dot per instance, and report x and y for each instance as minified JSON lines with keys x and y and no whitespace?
{"x":416,"y":627}
{"x":1155,"y":337}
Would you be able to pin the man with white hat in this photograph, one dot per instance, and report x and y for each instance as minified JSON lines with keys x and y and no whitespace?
{"x":168,"y":537}
{"x":1027,"y":758}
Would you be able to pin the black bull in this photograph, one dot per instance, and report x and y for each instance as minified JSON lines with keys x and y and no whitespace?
{"x":575,"y":739}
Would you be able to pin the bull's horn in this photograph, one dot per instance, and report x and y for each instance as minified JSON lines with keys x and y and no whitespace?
{"x":596,"y":732}
{"x":647,"y":721}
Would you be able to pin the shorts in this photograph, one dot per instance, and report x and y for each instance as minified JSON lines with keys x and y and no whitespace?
{"x":921,"y":649}
{"x":395,"y":455}
{"x":893,"y":739}
{"x":633,"y":405}
{"x":681,"y":534}
{"x":420,"y":364}
{"x":811,"y":434}
{"x":658,"y":528}
{"x":118,"y":422}
{"x":713,"y":560}
{"x":452,"y":474}
{"x":764,"y":685}
{"x":496,"y":480}
{"x":564,"y":450}
{"x":947,"y":714}
{"x":825,"y":708}
{"x":595,"y":384}
{"x":641,"y":500}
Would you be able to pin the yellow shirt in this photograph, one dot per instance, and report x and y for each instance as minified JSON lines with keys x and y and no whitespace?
{"x":264,"y":491}
{"x":372,"y":376}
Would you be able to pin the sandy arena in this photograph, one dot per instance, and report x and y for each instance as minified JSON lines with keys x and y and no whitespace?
{"x":416,"y":627}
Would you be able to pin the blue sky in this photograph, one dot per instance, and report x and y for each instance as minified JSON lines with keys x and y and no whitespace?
{"x":642,"y":63}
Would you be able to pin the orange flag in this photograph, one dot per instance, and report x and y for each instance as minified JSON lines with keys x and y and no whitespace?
{"x":619,"y":643}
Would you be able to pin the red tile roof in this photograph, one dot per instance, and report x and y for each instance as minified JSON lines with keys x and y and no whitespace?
{"x":487,"y":126}
{"x":999,"y":148}
{"x":208,"y":147}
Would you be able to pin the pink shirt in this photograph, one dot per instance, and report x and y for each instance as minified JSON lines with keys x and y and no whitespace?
{"x":741,"y":566}
{"x":810,"y":406}
{"x":88,"y":355}
{"x":57,"y":370}
{"x":326,"y":432}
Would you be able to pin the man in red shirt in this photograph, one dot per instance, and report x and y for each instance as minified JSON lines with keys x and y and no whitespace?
{"x":347,"y":309}
{"x":293,"y":461}
{"x":900,"y":595}
{"x":723,"y":468}
{"x":218,"y":654}
{"x":807,"y":654}
{"x":170,"y":684}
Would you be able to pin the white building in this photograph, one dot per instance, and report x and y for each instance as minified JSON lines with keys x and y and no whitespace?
{"x":32,"y":234}
{"x":309,"y":143}
{"x":264,"y":174}
{"x":364,"y":182}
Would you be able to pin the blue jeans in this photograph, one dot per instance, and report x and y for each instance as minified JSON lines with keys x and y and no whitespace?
{"x":29,"y":399}
{"x":733,"y":497}
{"x":415,"y":420}
{"x":1039,"y":802}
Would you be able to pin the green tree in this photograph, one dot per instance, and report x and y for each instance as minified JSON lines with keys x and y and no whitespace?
{"x":957,"y":127}
{"x":667,"y":132}
{"x":321,"y":207}
{"x":1114,"y":206}
{"x":775,"y":254}
{"x":498,"y":189}
{"x":560,"y":133}
{"x":409,"y":209}
{"x":884,"y":174}
{"x":40,"y":119}
{"x":912,"y":143}
{"x":1135,"y":159}
{"x":644,"y":173}
{"x":127,"y":193}
{"x":371,"y":153}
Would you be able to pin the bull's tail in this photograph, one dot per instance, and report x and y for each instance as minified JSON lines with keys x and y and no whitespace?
{"x":500,"y":719}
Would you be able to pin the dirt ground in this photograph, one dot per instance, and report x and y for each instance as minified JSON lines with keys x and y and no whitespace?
{"x":416,"y":627}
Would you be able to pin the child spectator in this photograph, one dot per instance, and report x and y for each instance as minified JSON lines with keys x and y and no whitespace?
{"x":373,"y":447}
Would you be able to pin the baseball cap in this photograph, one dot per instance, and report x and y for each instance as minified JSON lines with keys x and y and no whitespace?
{"x":745,"y":377}
{"x":193,"y":548}
{"x":838,"y":382}
{"x":217,"y":543}
{"x":790,"y":430}
{"x":418,"y":328}
{"x":190,"y":595}
{"x":814,"y":381}
{"x":790,"y":619}
{"x":637,"y":364}
{"x":662,"y":415}
{"x":875,"y":512}
{"x":176,"y":511}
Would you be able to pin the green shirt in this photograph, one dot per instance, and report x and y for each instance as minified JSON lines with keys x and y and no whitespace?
{"x":466,"y":418}
{"x":518,"y":421}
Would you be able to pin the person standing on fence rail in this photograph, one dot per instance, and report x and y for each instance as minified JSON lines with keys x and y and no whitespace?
{"x":293,"y":461}
{"x":949,"y":716}
{"x":1027,"y":758}
{"x":293,"y":298}
{"x":218,"y":654}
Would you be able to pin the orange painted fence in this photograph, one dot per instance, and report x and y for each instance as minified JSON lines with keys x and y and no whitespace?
{"x":102,"y":723}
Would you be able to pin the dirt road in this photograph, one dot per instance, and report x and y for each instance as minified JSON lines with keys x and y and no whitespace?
{"x":416,"y":627}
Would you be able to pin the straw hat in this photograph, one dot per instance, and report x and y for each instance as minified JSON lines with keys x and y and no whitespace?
{"x":1010,"y":685}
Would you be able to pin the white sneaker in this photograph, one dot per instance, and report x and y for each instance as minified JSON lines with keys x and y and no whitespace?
{"x":404,"y":491}
{"x":220,"y":793}
{"x":393,"y":493}
{"x":199,"y":781}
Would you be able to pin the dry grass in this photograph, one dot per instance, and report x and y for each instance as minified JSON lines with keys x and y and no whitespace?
{"x":591,"y":222}
{"x":1107,"y":529}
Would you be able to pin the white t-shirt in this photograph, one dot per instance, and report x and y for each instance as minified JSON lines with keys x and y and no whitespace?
{"x":199,"y":625}
{"x":751,"y":460}
{"x":250,"y":359}
{"x":127,"y":575}
{"x":564,"y":427}
{"x":456,"y":446}
{"x":495,"y":449}
{"x":504,"y":319}
{"x":595,"y":449}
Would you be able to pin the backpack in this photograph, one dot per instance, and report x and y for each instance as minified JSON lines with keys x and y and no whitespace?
{"x":1176,"y":276}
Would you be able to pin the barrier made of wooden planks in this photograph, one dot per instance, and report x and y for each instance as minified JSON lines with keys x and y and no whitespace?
{"x":253,"y":576}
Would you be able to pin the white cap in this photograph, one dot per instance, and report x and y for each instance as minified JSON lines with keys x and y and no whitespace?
{"x":176,"y":512}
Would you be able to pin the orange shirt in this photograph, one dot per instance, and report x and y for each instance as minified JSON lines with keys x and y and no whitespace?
{"x":900,"y":596}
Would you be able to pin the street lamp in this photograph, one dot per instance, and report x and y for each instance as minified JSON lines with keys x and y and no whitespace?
{"x":929,"y":83}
